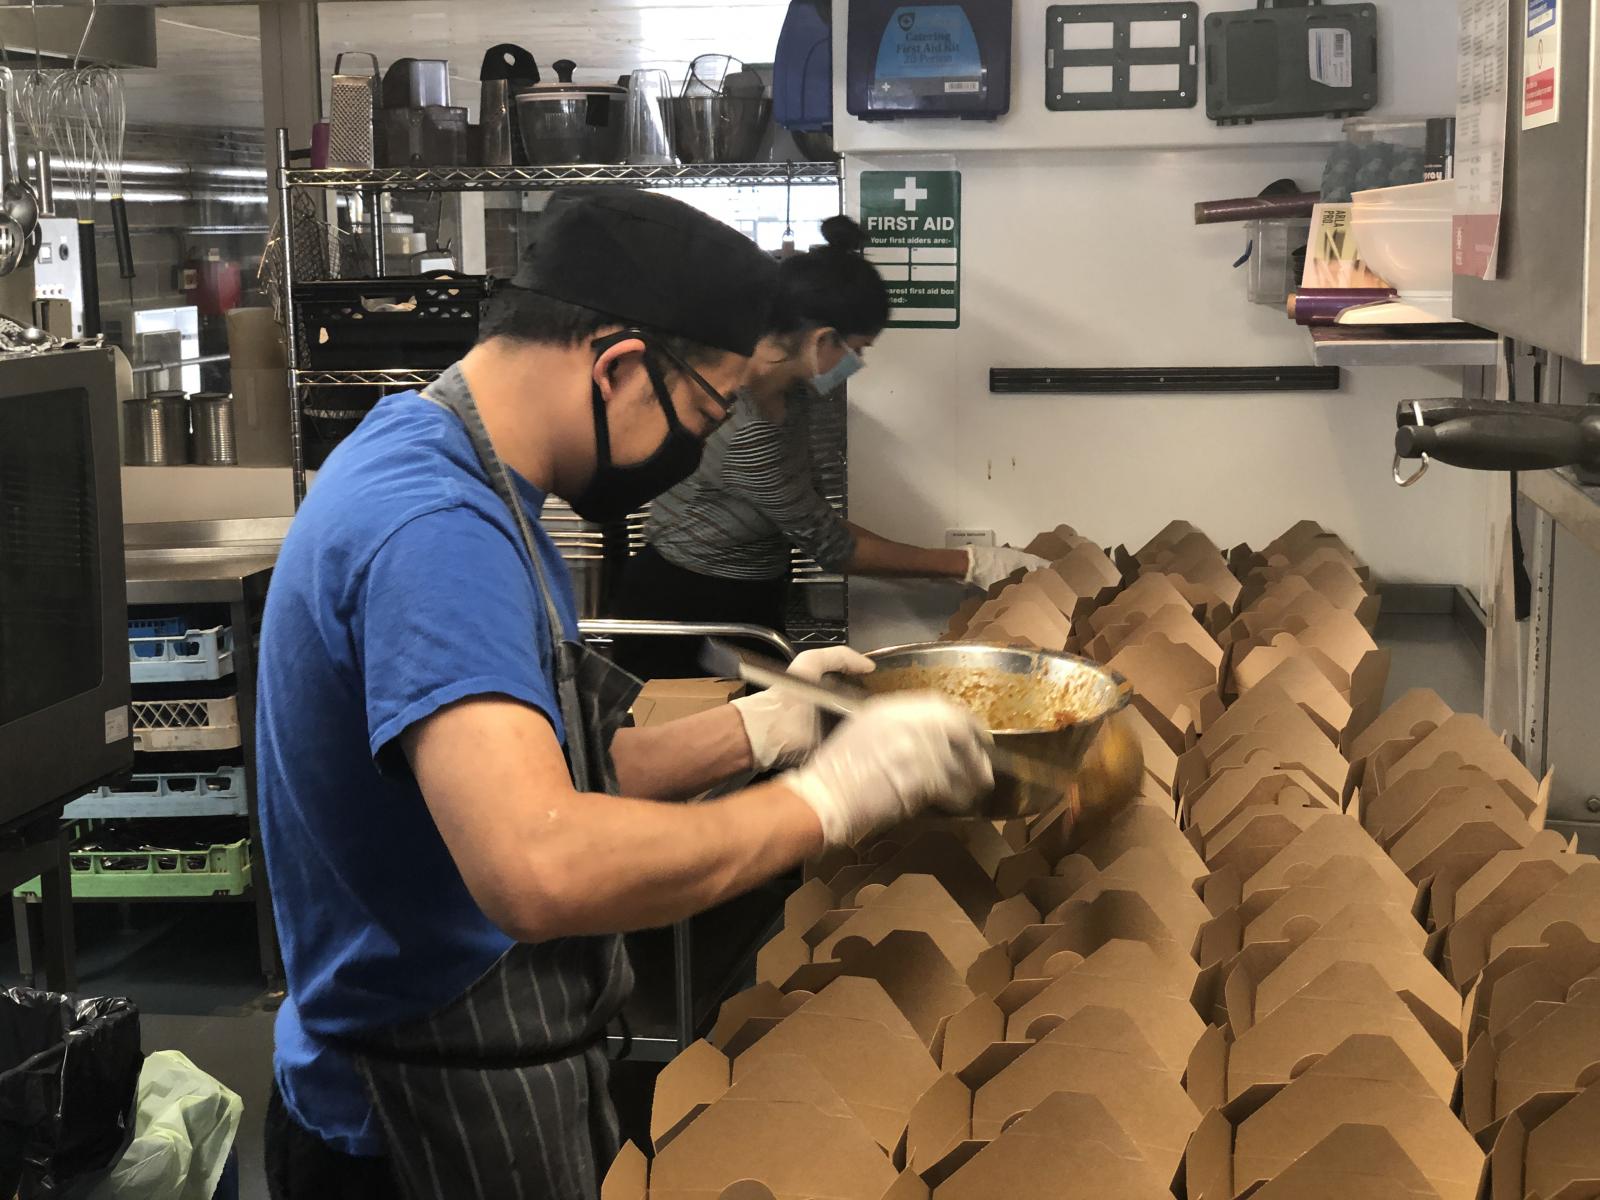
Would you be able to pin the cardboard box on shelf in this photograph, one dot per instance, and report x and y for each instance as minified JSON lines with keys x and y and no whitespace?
{"x":1053,"y":543}
{"x":1551,"y":1046}
{"x":1174,"y":622}
{"x":1486,"y":901}
{"x":1251,"y":1058}
{"x":1320,"y":843}
{"x":766,"y":1127}
{"x":1509,"y":1153}
{"x":850,"y":1032}
{"x":1124,"y":974}
{"x":1466,"y":740}
{"x":1366,"y":1080}
{"x":1388,"y":814}
{"x":1459,"y":835}
{"x":1144,"y":827}
{"x":1250,"y":840}
{"x":1409,"y":719}
{"x":1283,"y":914}
{"x":1232,"y":789}
{"x":1139,"y":600}
{"x":911,"y":902}
{"x":1266,"y":975}
{"x":1562,"y":1159}
{"x":1068,"y":1147}
{"x":1088,"y":571}
{"x":1097,"y":1051}
{"x":1170,"y":683}
{"x":1574,"y":901}
{"x":907,"y":964}
{"x":664,"y":700}
{"x":1300,"y":682}
{"x":1518,"y":975}
{"x":1353,"y":1160}
{"x":1081,"y":927}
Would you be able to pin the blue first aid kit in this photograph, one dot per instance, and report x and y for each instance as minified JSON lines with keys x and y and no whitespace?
{"x":929,"y":60}
{"x":802,"y":69}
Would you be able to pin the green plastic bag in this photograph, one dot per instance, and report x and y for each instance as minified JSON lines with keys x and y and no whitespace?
{"x":184,"y":1129}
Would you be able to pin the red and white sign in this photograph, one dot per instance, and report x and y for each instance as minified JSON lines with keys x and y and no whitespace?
{"x":1541,"y":65}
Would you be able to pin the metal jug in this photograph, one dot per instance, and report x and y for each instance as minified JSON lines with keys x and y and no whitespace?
{"x":506,"y":69}
{"x":351,"y":140}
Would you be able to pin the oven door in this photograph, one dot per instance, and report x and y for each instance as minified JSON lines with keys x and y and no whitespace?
{"x":63,"y":597}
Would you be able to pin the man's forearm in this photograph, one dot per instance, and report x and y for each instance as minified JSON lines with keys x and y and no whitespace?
{"x":681,"y":758}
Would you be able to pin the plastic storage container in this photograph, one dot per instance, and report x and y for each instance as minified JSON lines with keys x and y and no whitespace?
{"x":1276,"y":260}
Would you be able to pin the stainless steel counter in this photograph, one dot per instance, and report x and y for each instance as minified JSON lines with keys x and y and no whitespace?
{"x":201,"y":561}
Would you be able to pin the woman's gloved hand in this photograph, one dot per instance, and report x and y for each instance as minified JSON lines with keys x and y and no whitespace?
{"x":784,"y":731}
{"x":988,"y":565}
{"x":898,"y":756}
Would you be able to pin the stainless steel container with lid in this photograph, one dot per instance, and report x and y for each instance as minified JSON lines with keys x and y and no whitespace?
{"x":213,"y":440}
{"x":417,"y":83}
{"x":157,"y":430}
{"x":570,"y":122}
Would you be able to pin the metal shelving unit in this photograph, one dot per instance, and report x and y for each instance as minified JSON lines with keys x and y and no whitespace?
{"x":524,"y":179}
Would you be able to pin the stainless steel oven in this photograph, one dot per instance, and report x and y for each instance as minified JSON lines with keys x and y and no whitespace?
{"x":63,"y":596}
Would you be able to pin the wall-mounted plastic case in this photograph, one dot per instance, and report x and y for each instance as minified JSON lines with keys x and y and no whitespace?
{"x":1305,"y":59}
{"x":929,"y":60}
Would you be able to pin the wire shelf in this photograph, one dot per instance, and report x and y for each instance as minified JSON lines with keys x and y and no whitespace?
{"x":398,"y":378}
{"x":473,"y":179}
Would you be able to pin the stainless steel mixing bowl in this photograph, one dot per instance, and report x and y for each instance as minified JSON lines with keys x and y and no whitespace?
{"x":1048,"y":710}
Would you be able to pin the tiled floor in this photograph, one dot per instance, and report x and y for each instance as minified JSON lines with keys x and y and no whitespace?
{"x":192,"y":969}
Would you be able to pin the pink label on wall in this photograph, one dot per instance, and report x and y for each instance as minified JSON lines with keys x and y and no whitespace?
{"x":1539,"y":93}
{"x":1476,"y":238}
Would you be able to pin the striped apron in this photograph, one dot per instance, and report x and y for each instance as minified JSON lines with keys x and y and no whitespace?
{"x":501,"y":1094}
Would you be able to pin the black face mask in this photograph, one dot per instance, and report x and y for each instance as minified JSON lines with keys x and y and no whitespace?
{"x":615,"y":491}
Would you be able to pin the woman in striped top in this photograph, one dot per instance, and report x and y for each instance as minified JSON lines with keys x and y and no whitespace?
{"x":718,"y":545}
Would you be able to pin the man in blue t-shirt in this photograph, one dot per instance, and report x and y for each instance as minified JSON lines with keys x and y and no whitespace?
{"x":448,"y":901}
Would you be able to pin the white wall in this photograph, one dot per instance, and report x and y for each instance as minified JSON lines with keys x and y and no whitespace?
{"x":1090,"y":258}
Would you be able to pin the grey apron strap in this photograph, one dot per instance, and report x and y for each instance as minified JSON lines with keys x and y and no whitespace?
{"x":579,"y":673}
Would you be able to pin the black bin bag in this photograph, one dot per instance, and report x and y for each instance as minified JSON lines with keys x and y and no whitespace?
{"x":69,"y":1076}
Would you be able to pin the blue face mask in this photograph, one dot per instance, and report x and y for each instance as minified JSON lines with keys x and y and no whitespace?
{"x":831,"y":381}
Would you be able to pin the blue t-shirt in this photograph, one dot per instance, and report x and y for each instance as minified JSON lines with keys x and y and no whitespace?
{"x":403,"y":586}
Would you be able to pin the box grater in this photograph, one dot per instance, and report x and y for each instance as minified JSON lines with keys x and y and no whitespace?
{"x":350,"y":126}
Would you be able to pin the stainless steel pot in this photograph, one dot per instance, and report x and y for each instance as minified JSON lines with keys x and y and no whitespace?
{"x":716,"y":129}
{"x":157,"y":430}
{"x":570,"y":122}
{"x":1054,"y":714}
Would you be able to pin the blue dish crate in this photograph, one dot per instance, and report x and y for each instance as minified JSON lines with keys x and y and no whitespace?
{"x":219,"y":793}
{"x":183,"y":657}
{"x":144,"y":628}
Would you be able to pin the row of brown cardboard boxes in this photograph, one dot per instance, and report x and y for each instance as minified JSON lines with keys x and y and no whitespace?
{"x":1186,"y":633}
{"x":1053,"y":971}
{"x":1322,"y":1157}
{"x":909,"y":1010}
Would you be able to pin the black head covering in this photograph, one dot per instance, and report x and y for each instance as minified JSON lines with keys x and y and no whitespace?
{"x":652,"y":261}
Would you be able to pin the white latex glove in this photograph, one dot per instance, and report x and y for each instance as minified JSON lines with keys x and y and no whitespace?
{"x":784,"y":731}
{"x":988,"y":565}
{"x":898,"y":756}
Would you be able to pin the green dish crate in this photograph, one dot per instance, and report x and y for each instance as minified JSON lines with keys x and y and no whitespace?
{"x":220,"y":870}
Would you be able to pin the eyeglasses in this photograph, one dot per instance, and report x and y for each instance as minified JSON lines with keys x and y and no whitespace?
{"x":723,"y":402}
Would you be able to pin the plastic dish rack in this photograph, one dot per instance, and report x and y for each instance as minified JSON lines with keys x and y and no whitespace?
{"x":205,"y":871}
{"x":187,"y":656}
{"x":167,"y":726}
{"x":217,"y":794}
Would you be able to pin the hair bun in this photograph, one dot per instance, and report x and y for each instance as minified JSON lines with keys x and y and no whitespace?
{"x":841,"y":233}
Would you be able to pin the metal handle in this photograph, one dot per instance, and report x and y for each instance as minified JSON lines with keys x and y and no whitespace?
{"x":751,"y":633}
{"x":1499,"y":443}
{"x":357,"y":54}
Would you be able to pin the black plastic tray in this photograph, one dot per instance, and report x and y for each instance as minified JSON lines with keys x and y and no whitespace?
{"x":340,"y":329}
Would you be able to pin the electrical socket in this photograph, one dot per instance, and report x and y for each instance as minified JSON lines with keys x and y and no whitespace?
{"x":955,"y":539}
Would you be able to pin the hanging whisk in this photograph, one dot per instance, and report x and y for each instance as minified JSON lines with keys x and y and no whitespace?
{"x":105,"y":108}
{"x":74,"y":146}
{"x":32,"y":99}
